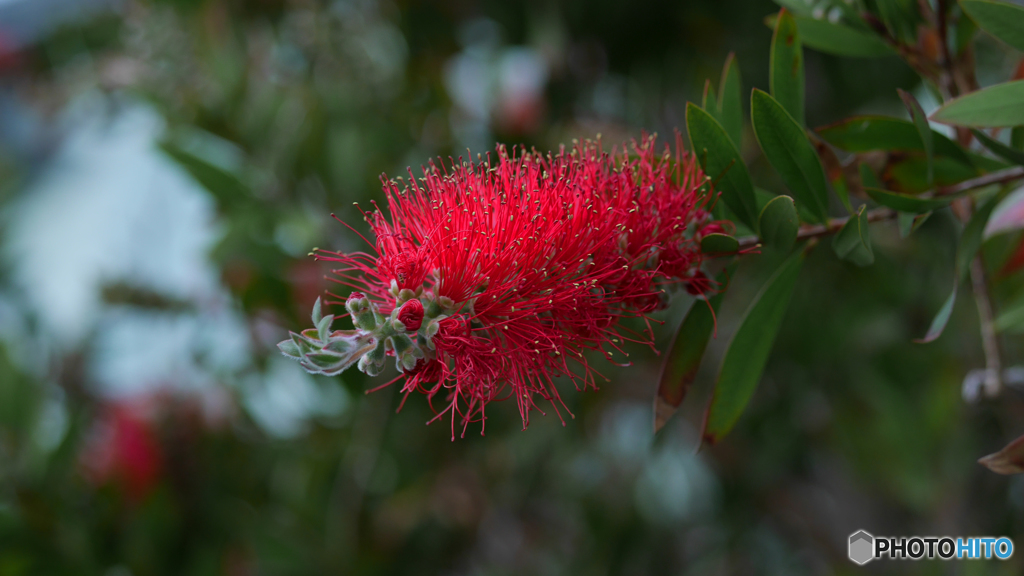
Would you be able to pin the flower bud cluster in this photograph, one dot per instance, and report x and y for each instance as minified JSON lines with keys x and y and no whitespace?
{"x":406,"y":334}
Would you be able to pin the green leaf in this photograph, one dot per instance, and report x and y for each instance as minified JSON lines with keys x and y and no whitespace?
{"x":970,"y":242}
{"x":747,"y":353}
{"x":964,"y":34}
{"x":1000,"y":19}
{"x":1017,"y":138}
{"x":779,"y":223}
{"x":986,"y":163}
{"x":908,"y":223}
{"x":225,"y":186}
{"x":973,"y":235}
{"x":941,"y":318}
{"x":853,"y":241}
{"x":684,"y":355}
{"x":790,"y":152}
{"x":838,"y":39}
{"x":323,"y":328}
{"x":709,"y":102}
{"x":1009,"y":460}
{"x":717,"y":244}
{"x":317,"y":313}
{"x":997,"y":106}
{"x":843,"y":178}
{"x":923,"y":129}
{"x":866,"y":133}
{"x":786,"y":76}
{"x":906,"y":203}
{"x":290,"y":349}
{"x":998,"y":148}
{"x":1011,"y":320}
{"x":804,"y":7}
{"x":1007,"y":216}
{"x":722,"y":162}
{"x":909,"y":174}
{"x":730,"y":101}
{"x":900,"y":16}
{"x":868,"y":178}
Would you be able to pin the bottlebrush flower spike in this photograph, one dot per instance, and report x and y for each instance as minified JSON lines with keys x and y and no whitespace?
{"x":492,"y":278}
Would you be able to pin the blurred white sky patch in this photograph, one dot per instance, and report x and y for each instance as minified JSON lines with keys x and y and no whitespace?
{"x":283,"y":400}
{"x":111,"y":209}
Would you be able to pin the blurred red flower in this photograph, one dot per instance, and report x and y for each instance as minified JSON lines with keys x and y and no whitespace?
{"x":123,"y":449}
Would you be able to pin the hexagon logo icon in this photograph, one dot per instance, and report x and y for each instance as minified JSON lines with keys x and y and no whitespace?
{"x":861,"y":547}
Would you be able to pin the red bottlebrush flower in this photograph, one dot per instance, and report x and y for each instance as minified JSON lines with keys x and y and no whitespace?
{"x":516,"y":266}
{"x":411,"y":315}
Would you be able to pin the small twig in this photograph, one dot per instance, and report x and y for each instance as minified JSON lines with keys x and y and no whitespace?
{"x":882,"y":214}
{"x":993,"y":382}
{"x":831,"y":227}
{"x":1000,"y":177}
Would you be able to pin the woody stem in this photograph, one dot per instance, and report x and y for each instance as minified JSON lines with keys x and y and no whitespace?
{"x":831,"y":227}
{"x":883,"y":214}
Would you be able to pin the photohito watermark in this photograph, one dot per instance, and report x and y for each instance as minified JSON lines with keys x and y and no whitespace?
{"x":864,"y":547}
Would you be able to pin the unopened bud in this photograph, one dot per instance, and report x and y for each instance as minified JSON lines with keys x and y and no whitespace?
{"x":411,"y":315}
{"x":357,"y":302}
{"x":361,"y":309}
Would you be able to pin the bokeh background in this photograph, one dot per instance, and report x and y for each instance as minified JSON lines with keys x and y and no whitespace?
{"x":166,"y":166}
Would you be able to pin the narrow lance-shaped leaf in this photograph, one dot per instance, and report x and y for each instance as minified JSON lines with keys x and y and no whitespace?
{"x":721,"y":161}
{"x":317,"y":314}
{"x":970,"y":242}
{"x":868,"y":177}
{"x":1000,"y":19}
{"x":801,"y":7}
{"x":1009,"y":460}
{"x":907,"y":203}
{"x":908,"y":175}
{"x":730,"y":101}
{"x":838,"y":39}
{"x":225,"y":186}
{"x":996,"y":147}
{"x":1017,"y":138}
{"x":844,"y":179}
{"x":920,"y":120}
{"x":786,"y":74}
{"x":866,"y":133}
{"x":790,"y":152}
{"x":941,"y":318}
{"x":853,"y":241}
{"x":899,"y":17}
{"x":684,"y":355}
{"x":748,"y":350}
{"x":1011,"y":317}
{"x":709,"y":102}
{"x":997,"y":106}
{"x":779,"y":223}
{"x":1007,"y":216}
{"x":964,"y":34}
{"x":908,"y":223}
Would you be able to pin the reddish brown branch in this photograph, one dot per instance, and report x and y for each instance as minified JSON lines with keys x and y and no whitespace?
{"x":882,"y":214}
